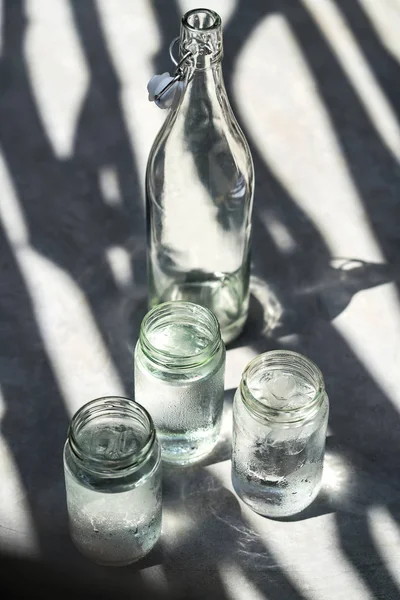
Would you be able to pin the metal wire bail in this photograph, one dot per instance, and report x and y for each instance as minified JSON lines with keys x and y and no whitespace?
{"x":171,"y":47}
{"x":178,"y":75}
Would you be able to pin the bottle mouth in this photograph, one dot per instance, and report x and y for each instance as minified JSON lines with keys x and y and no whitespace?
{"x":201,"y":37}
{"x":282,"y":386}
{"x":180,"y":335}
{"x":112,"y":435}
{"x":201,"y":19}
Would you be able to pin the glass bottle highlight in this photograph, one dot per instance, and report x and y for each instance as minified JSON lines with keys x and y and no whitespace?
{"x":280,"y":416}
{"x":199,"y":188}
{"x":113,"y":481}
{"x":179,"y":378}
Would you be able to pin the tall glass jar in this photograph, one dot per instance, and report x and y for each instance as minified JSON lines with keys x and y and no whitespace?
{"x":179,"y":378}
{"x":199,"y":188}
{"x":113,"y":481}
{"x":280,"y":417}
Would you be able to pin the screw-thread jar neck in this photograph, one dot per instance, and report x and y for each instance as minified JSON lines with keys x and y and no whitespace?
{"x":282,"y":386}
{"x":111,"y":435}
{"x":180,"y":336}
{"x":201,"y":34}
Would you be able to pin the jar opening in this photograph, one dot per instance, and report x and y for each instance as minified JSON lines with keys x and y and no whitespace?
{"x":111,"y":434}
{"x":201,"y":19}
{"x":282,"y":386}
{"x":180,"y":335}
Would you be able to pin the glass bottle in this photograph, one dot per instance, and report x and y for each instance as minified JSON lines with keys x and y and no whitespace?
{"x":280,"y":416}
{"x":199,"y":188}
{"x":112,"y":472}
{"x":179,"y":378}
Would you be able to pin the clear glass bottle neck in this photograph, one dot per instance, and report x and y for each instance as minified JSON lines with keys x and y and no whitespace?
{"x":87,"y":423}
{"x":290,"y":406}
{"x":201,"y":37}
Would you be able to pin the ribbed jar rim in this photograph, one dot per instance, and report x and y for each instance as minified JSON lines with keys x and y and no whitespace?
{"x":201,"y":318}
{"x":112,"y":406}
{"x":291,"y":363}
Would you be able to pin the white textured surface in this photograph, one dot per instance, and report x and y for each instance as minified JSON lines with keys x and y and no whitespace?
{"x":315,"y":85}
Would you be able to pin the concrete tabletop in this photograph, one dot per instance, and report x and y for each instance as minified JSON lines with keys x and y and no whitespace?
{"x":315,"y":86}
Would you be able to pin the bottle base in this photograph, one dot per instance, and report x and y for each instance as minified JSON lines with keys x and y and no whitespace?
{"x":182,"y":455}
{"x":222,"y":293}
{"x":233,"y":330}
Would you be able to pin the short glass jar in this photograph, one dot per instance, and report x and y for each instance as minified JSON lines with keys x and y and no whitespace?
{"x":280,"y":416}
{"x":179,"y":378}
{"x":113,"y":481}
